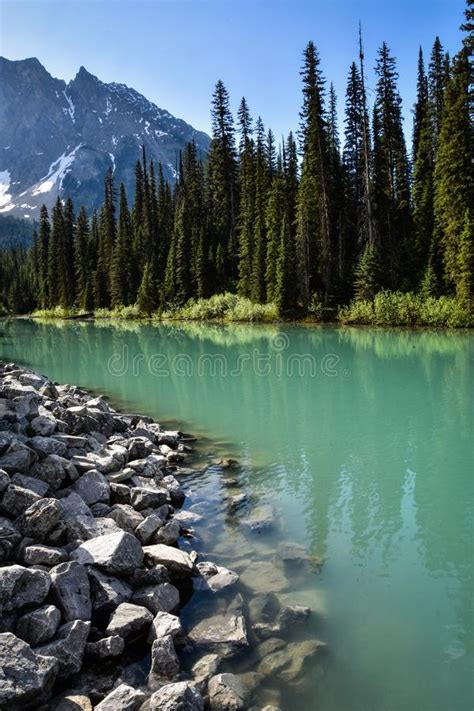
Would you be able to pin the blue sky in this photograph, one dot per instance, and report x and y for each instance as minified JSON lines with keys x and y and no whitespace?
{"x":173,"y":51}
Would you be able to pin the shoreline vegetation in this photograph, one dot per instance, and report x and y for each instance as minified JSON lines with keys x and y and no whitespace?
{"x":107,"y":598}
{"x":387,"y":309}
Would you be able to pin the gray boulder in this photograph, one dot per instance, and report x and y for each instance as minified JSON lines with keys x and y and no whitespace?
{"x":68,"y":647}
{"x":17,"y":458}
{"x":165,"y":624}
{"x":129,"y":620}
{"x":71,"y":590}
{"x":21,"y":586}
{"x":123,"y":698}
{"x":107,"y":592}
{"x":118,"y":553}
{"x":39,"y":626}
{"x":4,"y":480}
{"x":40,"y":518}
{"x":92,"y":487}
{"x":10,"y":537}
{"x":54,"y":470}
{"x":169,"y":533}
{"x":143,"y":498}
{"x":28,"y":482}
{"x":179,"y":563}
{"x":47,"y":445}
{"x":106,"y":647}
{"x":164,"y":660}
{"x":26,"y":678}
{"x":147,"y":528}
{"x":224,"y":633}
{"x":44,"y":555}
{"x":180,"y":696}
{"x":43,"y":425}
{"x":16,"y":499}
{"x":157,"y":598}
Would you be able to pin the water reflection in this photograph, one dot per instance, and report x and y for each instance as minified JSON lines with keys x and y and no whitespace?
{"x":370,"y":467}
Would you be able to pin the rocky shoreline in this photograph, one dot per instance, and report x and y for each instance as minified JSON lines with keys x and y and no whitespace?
{"x":93,"y":579}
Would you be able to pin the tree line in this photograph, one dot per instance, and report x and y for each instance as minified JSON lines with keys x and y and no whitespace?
{"x":304,"y":224}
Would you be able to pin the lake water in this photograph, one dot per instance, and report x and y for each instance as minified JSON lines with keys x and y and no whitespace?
{"x":362,"y":440}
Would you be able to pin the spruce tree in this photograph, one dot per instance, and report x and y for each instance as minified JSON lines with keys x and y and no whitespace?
{"x":55,"y":261}
{"x":121,"y":286}
{"x":285,"y":281}
{"x":82,"y":262}
{"x":43,"y":251}
{"x":276,"y":212}
{"x":146,"y":298}
{"x":67,"y":256}
{"x":222,"y":190}
{"x":453,"y":178}
{"x":246,"y":217}
{"x":313,"y":227}
{"x":262,"y":184}
{"x":437,"y":84}
{"x":367,"y":274}
{"x":391,"y":173}
{"x":421,"y":105}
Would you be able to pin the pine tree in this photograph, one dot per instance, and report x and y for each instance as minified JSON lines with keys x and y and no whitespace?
{"x":276,"y":212}
{"x":146,"y":298}
{"x":421,"y":105}
{"x":262,"y":184}
{"x":83,"y":266}
{"x":67,"y":257}
{"x":222,"y":190}
{"x":54,"y":255}
{"x":423,"y":217}
{"x":453,"y":178}
{"x":313,"y":228}
{"x":339,"y":253}
{"x":367,"y":274}
{"x":437,"y":84}
{"x":121,"y":286}
{"x":391,"y":172}
{"x":285,"y":282}
{"x":43,"y":251}
{"x":246,"y":218}
{"x":107,"y":232}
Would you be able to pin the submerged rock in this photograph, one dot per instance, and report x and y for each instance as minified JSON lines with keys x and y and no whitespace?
{"x":227,"y":693}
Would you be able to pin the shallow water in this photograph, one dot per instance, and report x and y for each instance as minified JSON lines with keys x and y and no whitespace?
{"x":361,"y":439}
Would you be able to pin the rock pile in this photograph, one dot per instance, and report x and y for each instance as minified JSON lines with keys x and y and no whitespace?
{"x":91,"y":576}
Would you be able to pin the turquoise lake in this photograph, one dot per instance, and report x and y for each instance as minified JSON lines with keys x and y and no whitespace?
{"x":361,"y":439}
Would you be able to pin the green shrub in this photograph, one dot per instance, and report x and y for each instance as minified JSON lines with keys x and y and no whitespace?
{"x":316,"y":306}
{"x":56,"y":312}
{"x":122,"y":312}
{"x":408,"y":309}
{"x":222,"y":307}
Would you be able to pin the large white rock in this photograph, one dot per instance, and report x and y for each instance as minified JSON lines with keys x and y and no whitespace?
{"x":129,"y":621}
{"x":179,"y":563}
{"x":119,"y":553}
{"x":181,"y":696}
{"x":123,"y":698}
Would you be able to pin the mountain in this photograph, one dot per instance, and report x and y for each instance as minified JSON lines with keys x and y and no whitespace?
{"x":58,"y":138}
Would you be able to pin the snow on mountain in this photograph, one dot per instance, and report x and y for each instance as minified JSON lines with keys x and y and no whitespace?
{"x":60,"y":139}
